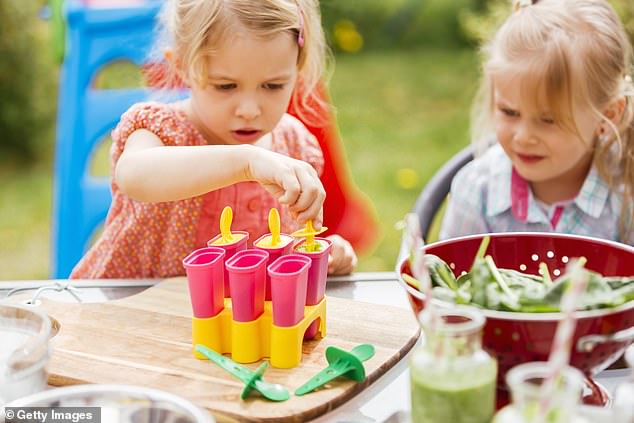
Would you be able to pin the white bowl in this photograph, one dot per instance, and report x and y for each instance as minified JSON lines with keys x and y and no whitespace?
{"x":121,"y":403}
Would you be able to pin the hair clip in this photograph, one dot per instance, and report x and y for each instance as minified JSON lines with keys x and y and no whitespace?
{"x":300,"y":35}
{"x":628,"y":90}
{"x":604,"y":138}
{"x":524,"y":3}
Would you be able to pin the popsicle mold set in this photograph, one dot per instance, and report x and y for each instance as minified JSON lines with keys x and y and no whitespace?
{"x":259,"y":302}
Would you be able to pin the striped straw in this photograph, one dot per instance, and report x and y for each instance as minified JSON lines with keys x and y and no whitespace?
{"x":415,"y":247}
{"x":562,"y":344}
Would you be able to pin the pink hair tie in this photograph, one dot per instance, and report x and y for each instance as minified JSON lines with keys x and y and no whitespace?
{"x":524,"y":3}
{"x":628,"y":90}
{"x":300,"y":35}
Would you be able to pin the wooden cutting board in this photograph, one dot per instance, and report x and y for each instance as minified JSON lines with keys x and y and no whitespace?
{"x":145,"y":340}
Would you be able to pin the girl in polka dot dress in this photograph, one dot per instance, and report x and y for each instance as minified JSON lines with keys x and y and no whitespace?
{"x":175,"y":166}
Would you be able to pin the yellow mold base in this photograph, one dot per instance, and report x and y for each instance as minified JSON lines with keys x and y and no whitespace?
{"x":249,"y":342}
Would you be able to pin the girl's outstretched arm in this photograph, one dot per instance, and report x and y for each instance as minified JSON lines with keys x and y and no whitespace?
{"x":149,"y":171}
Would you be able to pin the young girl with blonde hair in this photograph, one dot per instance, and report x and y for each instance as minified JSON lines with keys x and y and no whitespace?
{"x":553,"y":126}
{"x":177,"y":165}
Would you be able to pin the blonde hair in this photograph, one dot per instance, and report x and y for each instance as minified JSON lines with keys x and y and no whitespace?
{"x":567,"y":53}
{"x":193,"y":29}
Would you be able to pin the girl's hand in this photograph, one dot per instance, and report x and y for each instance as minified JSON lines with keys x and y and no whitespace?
{"x":342,"y":259}
{"x":292,"y":182}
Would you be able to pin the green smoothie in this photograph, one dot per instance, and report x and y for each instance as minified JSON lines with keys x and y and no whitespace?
{"x":453,"y":379}
{"x":435,"y":401}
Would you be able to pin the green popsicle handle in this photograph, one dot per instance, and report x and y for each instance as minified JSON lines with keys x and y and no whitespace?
{"x":341,"y":362}
{"x":251,"y":379}
{"x":237,"y":370}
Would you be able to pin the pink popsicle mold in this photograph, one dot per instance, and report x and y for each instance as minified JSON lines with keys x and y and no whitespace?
{"x":230,"y":249}
{"x":247,"y":279}
{"x":289,"y":278}
{"x":205,"y":278}
{"x":285,"y":247}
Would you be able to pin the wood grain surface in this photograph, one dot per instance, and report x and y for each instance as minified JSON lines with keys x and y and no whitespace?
{"x":145,"y":340}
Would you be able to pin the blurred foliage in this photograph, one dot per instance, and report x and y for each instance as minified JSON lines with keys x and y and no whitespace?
{"x":380,"y":24}
{"x":402,"y":114}
{"x":480,"y":21}
{"x":626,"y":10}
{"x":27,"y":81}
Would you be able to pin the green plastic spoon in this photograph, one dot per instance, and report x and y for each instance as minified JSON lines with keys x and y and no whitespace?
{"x":341,"y":362}
{"x":252,"y":379}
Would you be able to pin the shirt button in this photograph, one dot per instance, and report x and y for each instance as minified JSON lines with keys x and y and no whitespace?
{"x":254,"y":204}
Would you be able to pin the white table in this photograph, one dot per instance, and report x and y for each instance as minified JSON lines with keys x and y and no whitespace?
{"x":386,"y":400}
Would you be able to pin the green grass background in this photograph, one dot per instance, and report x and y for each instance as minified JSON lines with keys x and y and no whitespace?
{"x":401,"y":110}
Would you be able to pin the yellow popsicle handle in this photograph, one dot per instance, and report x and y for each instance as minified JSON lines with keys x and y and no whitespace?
{"x":274,"y":227}
{"x":310,"y":234}
{"x":308,"y":230}
{"x":226,"y":218}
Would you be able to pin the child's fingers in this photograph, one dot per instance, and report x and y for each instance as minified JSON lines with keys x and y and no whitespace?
{"x":317,"y":221}
{"x":275,"y":190}
{"x":315,"y":213}
{"x":343,"y":269}
{"x":335,"y":259}
{"x":347,"y":266}
{"x":310,"y":201}
{"x":309,"y":194}
{"x":342,"y":259}
{"x":296,"y":185}
{"x":291,"y":188}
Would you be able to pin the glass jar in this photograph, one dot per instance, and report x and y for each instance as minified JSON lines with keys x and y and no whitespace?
{"x":624,"y":396}
{"x":452,"y":378}
{"x":525,"y":382}
{"x":24,"y":336}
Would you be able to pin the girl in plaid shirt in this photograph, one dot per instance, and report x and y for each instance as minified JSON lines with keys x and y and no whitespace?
{"x":557,"y":94}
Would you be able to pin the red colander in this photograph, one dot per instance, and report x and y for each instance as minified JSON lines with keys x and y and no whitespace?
{"x":600,"y":336}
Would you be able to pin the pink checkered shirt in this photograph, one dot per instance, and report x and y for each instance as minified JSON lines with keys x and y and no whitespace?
{"x":487,"y":195}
